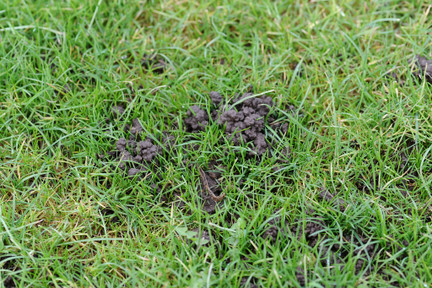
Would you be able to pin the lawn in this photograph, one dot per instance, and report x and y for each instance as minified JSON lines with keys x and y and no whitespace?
{"x":215,"y":143}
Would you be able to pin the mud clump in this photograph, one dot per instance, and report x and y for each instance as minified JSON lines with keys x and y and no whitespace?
{"x":216,"y":98}
{"x":246,"y":123}
{"x":117,"y":111}
{"x":136,"y":154}
{"x":243,"y":122}
{"x":197,"y":119}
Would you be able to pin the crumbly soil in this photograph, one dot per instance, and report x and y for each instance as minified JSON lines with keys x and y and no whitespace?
{"x":243,"y":121}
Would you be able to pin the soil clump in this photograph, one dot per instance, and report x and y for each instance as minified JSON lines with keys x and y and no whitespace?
{"x":243,"y":121}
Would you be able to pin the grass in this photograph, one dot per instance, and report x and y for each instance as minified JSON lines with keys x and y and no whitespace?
{"x":328,"y":59}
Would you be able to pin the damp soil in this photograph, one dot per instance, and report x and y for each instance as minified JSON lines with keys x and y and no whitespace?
{"x":243,"y":120}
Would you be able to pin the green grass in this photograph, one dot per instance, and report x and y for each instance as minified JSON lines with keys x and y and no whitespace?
{"x":351,"y":125}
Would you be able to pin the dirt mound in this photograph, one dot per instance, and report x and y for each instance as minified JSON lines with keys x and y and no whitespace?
{"x":243,"y":122}
{"x":135,"y":155}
